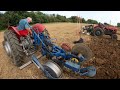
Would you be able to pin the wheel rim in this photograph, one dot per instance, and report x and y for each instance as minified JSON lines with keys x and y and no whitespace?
{"x":56,"y":70}
{"x":8,"y":48}
{"x":98,"y":33}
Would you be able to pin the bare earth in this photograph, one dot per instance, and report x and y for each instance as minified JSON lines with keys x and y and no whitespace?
{"x":106,"y":52}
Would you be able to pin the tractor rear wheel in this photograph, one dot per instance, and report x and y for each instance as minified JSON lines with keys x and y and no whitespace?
{"x":82,"y":49}
{"x":12,"y":47}
{"x":98,"y":32}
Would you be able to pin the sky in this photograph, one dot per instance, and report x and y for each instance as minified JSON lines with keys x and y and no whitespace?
{"x":112,"y":17}
{"x":100,"y":16}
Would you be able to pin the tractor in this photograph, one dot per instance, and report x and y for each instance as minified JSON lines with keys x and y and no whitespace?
{"x":18,"y":44}
{"x":101,"y":29}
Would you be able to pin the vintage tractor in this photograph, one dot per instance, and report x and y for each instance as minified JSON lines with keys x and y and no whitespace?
{"x":101,"y":29}
{"x":18,"y":44}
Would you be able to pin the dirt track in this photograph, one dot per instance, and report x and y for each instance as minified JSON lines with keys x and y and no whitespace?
{"x":106,"y":52}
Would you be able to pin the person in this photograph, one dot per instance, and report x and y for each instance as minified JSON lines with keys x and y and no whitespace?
{"x":24,"y":25}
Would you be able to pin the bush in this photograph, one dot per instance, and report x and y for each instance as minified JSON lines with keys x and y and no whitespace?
{"x":118,"y":24}
{"x":90,"y":21}
{"x":13,"y":18}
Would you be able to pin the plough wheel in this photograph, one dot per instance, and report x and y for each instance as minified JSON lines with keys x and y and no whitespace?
{"x":82,"y":49}
{"x":53,"y":69}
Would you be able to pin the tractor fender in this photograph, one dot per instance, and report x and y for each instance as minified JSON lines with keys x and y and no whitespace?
{"x":14,"y":29}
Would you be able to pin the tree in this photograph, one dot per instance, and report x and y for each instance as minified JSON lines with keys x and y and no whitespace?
{"x":90,"y":21}
{"x":118,"y":24}
{"x":83,"y":20}
{"x":13,"y":18}
{"x":73,"y":19}
{"x":3,"y":22}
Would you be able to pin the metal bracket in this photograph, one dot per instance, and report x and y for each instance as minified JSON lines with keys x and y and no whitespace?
{"x":28,"y":63}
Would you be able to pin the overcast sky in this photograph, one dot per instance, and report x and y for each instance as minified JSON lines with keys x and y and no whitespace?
{"x":100,"y":16}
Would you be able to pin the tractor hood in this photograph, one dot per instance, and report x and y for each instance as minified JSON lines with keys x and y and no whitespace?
{"x":38,"y":27}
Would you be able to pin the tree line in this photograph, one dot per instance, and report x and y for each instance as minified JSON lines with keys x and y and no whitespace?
{"x":12,"y":18}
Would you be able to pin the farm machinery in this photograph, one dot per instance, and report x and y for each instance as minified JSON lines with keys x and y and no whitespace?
{"x":18,"y":44}
{"x":101,"y":29}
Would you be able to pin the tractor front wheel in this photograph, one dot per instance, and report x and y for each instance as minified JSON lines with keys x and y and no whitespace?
{"x":114,"y":37}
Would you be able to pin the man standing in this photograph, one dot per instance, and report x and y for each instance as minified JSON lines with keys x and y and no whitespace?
{"x":24,"y":25}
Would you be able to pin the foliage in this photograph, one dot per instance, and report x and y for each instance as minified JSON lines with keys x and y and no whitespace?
{"x":118,"y":24}
{"x":90,"y":21}
{"x":13,"y":18}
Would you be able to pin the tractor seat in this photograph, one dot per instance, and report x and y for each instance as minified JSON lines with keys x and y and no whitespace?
{"x":23,"y":33}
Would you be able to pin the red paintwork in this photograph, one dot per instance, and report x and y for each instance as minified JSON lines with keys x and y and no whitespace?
{"x":66,"y":47}
{"x":108,"y":27}
{"x":38,"y":27}
{"x":112,"y":28}
{"x":23,"y":33}
{"x":14,"y":29}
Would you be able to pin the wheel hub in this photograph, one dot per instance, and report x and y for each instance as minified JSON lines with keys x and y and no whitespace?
{"x":53,"y":69}
{"x":8,"y":48}
{"x":98,"y":33}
